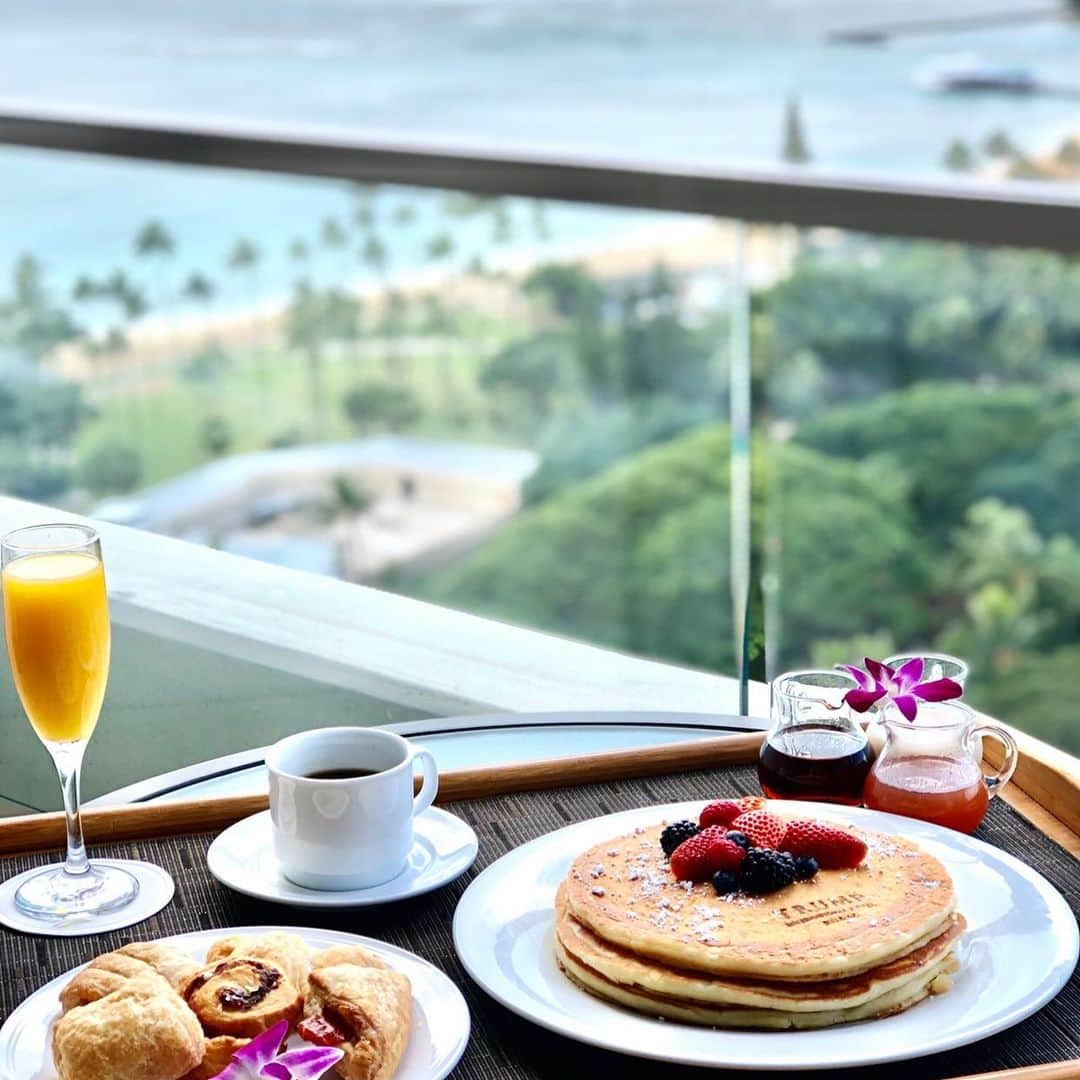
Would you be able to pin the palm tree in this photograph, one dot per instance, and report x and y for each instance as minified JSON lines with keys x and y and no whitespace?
{"x":541,"y":228}
{"x":243,"y":260}
{"x":155,"y":243}
{"x":335,"y":239}
{"x":502,"y":224}
{"x":404,"y":214}
{"x":440,"y":246}
{"x":199,"y":289}
{"x":374,"y":253}
{"x":795,"y":149}
{"x":305,"y":329}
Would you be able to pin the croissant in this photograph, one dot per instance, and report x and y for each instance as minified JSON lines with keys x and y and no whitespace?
{"x":111,"y":971}
{"x":242,"y":997}
{"x":366,"y":1011}
{"x":348,"y":954}
{"x":141,"y":1031}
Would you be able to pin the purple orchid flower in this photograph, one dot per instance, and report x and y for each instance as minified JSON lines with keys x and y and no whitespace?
{"x":261,"y":1059}
{"x":902,"y":686}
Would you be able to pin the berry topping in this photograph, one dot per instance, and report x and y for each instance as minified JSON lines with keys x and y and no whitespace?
{"x":834,"y":849}
{"x":724,"y":882}
{"x":739,"y":838}
{"x":764,"y":830}
{"x":723,"y":812}
{"x":698,"y":858}
{"x":675,"y":834}
{"x":806,"y":867}
{"x":766,"y":871}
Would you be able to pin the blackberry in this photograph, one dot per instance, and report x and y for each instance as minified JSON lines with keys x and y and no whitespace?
{"x":724,"y":882}
{"x":675,"y":834}
{"x":741,"y":839}
{"x":806,"y":866}
{"x":766,"y":871}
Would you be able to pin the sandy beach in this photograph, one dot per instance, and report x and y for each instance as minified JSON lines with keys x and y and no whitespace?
{"x":685,"y":247}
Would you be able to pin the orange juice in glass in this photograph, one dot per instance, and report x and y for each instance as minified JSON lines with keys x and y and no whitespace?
{"x":56,"y":623}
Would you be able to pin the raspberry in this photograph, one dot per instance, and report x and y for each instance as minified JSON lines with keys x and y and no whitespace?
{"x":764,"y":830}
{"x":723,"y":812}
{"x":675,"y":834}
{"x":834,"y":849}
{"x":698,"y":858}
{"x":766,"y":871}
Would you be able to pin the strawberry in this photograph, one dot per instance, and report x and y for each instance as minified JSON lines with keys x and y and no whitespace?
{"x":723,"y":812}
{"x":763,"y":829}
{"x":834,"y":849}
{"x":698,"y":858}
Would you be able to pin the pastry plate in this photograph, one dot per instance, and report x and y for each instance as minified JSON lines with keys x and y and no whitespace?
{"x":242,"y":858}
{"x":440,"y":1024}
{"x":1019,"y":950}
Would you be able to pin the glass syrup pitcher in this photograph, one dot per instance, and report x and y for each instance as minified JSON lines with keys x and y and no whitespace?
{"x":815,"y":749}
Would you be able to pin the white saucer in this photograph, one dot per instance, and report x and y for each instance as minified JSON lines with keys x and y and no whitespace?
{"x":242,"y":858}
{"x":155,"y":891}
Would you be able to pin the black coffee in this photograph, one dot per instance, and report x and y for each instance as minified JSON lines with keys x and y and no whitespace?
{"x":341,"y":774}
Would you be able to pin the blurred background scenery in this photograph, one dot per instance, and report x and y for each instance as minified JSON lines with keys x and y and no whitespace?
{"x":522,"y":408}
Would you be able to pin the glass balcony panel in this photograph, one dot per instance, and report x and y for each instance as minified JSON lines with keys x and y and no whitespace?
{"x":916,"y":418}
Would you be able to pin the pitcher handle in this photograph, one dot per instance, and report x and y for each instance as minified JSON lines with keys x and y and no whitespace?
{"x":996,"y":781}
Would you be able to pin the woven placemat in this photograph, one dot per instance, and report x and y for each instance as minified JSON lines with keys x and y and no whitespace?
{"x":502,"y":1044}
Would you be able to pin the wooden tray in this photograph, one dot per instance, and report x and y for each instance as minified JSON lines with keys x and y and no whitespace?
{"x":1045,"y":789}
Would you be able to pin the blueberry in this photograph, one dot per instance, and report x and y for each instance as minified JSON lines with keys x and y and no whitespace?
{"x":806,"y":867}
{"x":724,"y":882}
{"x":739,"y":838}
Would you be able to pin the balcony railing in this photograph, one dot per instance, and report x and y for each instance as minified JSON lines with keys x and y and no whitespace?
{"x":416,"y":659}
{"x":967,"y":210}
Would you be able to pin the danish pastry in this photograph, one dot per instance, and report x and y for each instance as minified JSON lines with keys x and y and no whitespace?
{"x":242,"y":997}
{"x":287,"y":951}
{"x":141,"y":1031}
{"x":111,"y":971}
{"x":364,"y":1010}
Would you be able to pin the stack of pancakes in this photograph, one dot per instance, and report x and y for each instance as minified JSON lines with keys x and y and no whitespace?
{"x":847,"y":945}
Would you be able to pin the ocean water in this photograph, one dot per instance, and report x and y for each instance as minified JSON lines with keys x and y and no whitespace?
{"x":680,"y":79}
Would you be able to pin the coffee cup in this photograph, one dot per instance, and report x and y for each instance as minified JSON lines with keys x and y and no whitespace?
{"x":342,"y":805}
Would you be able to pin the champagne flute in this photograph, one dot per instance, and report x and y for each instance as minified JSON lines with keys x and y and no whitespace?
{"x":56,"y":621}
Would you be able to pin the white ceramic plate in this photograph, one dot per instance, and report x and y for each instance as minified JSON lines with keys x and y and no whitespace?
{"x":1019,"y":950}
{"x":242,"y":858}
{"x":440,"y":1025}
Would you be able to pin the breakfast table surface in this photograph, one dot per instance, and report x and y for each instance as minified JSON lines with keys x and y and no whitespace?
{"x":502,"y":1044}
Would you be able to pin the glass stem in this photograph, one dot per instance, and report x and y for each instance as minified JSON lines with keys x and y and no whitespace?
{"x":68,"y":761}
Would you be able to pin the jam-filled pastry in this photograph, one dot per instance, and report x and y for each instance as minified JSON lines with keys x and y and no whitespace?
{"x":218,"y":1053}
{"x":366,"y":1011}
{"x":111,"y":971}
{"x":141,"y":1031}
{"x":288,"y":951}
{"x":242,"y":997}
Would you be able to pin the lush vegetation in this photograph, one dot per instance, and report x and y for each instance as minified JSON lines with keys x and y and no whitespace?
{"x":916,"y":456}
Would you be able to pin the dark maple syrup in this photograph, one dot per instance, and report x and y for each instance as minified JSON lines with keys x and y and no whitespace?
{"x":817,"y":762}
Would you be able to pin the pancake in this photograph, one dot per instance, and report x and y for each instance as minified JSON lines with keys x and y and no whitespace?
{"x":735,"y":1016}
{"x":651,"y":978}
{"x":839,"y":924}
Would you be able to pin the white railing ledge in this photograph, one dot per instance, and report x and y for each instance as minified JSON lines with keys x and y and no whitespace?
{"x":393,"y":648}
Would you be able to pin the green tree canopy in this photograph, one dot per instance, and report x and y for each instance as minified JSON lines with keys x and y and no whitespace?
{"x":375,"y":406}
{"x":114,"y":468}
